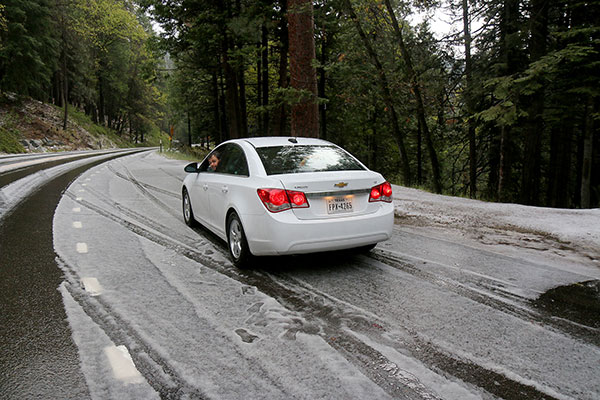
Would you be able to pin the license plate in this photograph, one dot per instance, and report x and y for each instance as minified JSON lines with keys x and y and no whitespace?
{"x":339,"y":205}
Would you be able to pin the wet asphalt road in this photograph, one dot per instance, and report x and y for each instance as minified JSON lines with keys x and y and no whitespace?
{"x":38,"y":357}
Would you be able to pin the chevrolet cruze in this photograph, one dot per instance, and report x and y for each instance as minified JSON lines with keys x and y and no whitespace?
{"x":277,"y":195}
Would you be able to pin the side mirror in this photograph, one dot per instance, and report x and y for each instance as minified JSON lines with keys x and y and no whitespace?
{"x":192,"y":168}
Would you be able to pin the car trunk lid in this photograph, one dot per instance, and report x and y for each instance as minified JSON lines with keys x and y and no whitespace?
{"x":333,"y":194}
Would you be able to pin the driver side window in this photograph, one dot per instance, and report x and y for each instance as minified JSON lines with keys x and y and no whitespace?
{"x":227,"y":159}
{"x":213,"y":162}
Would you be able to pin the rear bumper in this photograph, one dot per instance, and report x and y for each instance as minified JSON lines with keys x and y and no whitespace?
{"x":283,"y":233}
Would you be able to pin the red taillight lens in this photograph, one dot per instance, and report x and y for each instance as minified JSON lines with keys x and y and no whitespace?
{"x":278,"y":197}
{"x":276,"y":200}
{"x":298,"y":199}
{"x":386,"y":189}
{"x":375,"y":194}
{"x":381,"y":192}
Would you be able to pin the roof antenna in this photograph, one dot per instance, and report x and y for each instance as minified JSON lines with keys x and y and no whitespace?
{"x":293,"y":140}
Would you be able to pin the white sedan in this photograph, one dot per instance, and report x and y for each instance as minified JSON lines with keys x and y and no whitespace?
{"x":278,"y":195}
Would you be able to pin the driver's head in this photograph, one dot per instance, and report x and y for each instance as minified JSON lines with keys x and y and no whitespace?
{"x":213,"y":161}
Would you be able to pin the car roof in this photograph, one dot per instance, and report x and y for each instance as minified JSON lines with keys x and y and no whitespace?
{"x":285,"y":141}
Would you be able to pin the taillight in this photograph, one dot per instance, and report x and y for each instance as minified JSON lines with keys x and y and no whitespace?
{"x":297,"y":199}
{"x":276,"y":200}
{"x":386,"y":189}
{"x":381,"y":192}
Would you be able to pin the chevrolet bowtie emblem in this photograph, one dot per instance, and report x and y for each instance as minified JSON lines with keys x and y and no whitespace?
{"x":341,"y":184}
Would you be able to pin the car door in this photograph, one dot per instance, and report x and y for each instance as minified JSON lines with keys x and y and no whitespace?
{"x":200,"y":189}
{"x":231,"y":169}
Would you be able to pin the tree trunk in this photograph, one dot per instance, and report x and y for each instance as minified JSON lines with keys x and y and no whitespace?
{"x":469,"y":102}
{"x":322,"y":84}
{"x":223,"y":133}
{"x":100,"y":101}
{"x":387,"y":96}
{"x":56,"y":89}
{"x":493,"y":161}
{"x":505,"y":163}
{"x":231,"y":97}
{"x":373,"y":149}
{"x":509,"y":27}
{"x":416,"y":90}
{"x":65,"y":89}
{"x":279,"y":121}
{"x":530,"y":180}
{"x":131,"y":127}
{"x":303,"y":76}
{"x":586,"y":167}
{"x":216,"y":109}
{"x":265,"y":81}
{"x":419,"y":154}
{"x":120,"y":124}
{"x":242,"y":106}
{"x":259,"y":72}
{"x":232,"y":94}
{"x":189,"y":126}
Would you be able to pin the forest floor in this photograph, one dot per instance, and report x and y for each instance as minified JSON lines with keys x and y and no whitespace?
{"x":28,"y":125}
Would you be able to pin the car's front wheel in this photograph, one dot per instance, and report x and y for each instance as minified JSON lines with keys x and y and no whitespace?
{"x":237,"y":243}
{"x":188,"y":214}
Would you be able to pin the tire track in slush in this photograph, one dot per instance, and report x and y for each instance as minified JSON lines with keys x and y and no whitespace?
{"x":120,"y":331}
{"x":157,"y":372}
{"x":516,"y":306}
{"x":373,"y":364}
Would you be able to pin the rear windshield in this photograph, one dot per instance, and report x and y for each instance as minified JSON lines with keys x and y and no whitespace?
{"x":295,"y":159}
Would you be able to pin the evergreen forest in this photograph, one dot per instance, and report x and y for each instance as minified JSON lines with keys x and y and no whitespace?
{"x":501,"y":104}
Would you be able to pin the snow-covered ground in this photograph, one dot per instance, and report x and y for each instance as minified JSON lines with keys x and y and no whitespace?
{"x":11,"y":194}
{"x":562,"y":237}
{"x":440,"y":311}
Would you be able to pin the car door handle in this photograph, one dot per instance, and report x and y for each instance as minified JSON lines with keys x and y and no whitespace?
{"x":224,"y":189}
{"x":205,"y":187}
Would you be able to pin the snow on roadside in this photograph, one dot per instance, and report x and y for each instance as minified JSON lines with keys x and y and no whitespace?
{"x":13,"y":193}
{"x":549,"y":234}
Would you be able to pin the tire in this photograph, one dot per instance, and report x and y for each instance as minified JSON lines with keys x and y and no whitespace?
{"x":188,"y":213}
{"x":237,"y":243}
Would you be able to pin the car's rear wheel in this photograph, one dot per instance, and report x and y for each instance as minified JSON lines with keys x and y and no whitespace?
{"x":237,"y":243}
{"x":188,"y":213}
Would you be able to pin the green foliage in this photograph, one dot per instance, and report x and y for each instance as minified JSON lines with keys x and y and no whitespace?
{"x":29,"y":46}
{"x":153,"y":137}
{"x":97,"y":50}
{"x":185,"y":154}
{"x":86,"y":123}
{"x":205,"y":76}
{"x":2,"y":23}
{"x":103,"y":22}
{"x":9,"y":141}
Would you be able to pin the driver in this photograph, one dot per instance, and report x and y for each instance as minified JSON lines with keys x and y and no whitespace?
{"x":213,"y":161}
